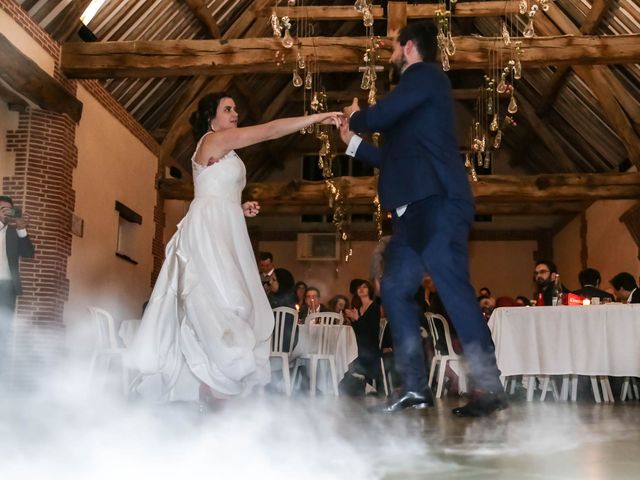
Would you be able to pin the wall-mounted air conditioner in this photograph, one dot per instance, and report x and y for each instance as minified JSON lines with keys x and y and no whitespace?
{"x":318,"y":247}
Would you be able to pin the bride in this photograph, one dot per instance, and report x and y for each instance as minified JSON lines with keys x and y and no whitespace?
{"x":206,"y":329}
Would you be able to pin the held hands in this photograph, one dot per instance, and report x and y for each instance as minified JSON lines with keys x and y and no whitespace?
{"x":250,"y":209}
{"x":345,"y":133}
{"x":329,"y":118}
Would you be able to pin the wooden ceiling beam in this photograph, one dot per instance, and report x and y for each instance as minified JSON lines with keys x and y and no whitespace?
{"x":167,"y":58}
{"x":498,"y":189}
{"x":205,"y":16}
{"x":594,"y":17}
{"x":597,"y":80}
{"x":27,"y":79}
{"x":341,"y":12}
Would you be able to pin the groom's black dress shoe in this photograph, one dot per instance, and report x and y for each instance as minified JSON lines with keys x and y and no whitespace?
{"x":415,"y":400}
{"x":482,"y":404}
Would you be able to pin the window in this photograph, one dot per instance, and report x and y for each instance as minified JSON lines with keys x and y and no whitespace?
{"x":129,"y":233}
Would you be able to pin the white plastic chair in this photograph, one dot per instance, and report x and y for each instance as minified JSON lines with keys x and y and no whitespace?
{"x":387,"y":383}
{"x":277,"y":341}
{"x":324,"y":350}
{"x":442,"y":359}
{"x":627,"y":392}
{"x":325,"y":318}
{"x":107,"y":347}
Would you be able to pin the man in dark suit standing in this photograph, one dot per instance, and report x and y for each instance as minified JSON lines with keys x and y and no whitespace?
{"x":14,"y":243}
{"x":425,"y":186}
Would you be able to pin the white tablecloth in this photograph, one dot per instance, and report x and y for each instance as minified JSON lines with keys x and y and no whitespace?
{"x":346,"y":350}
{"x":585,"y":340}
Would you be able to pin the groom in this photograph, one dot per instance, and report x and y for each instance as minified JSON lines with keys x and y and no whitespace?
{"x":424,"y":184}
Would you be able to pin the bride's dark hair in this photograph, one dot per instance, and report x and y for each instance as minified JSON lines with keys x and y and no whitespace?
{"x":200,"y":120}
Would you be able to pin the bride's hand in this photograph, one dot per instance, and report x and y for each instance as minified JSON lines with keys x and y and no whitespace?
{"x":250,"y":209}
{"x":330,"y":118}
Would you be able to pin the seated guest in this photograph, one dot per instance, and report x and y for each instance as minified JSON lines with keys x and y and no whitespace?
{"x":353,"y":290}
{"x":522,"y":301}
{"x":312,"y":304}
{"x":487,"y":304}
{"x":484,"y":292}
{"x":589,"y":279}
{"x":625,"y":288}
{"x":365,"y":321}
{"x":338,"y":304}
{"x":300,"y":289}
{"x":280,"y":289}
{"x":544,"y":274}
{"x":505,"y":302}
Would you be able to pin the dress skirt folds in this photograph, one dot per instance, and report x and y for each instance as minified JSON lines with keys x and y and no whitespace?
{"x":208,"y":319}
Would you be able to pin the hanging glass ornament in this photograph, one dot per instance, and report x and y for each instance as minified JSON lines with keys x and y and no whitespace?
{"x":506,"y":37}
{"x":513,"y":105}
{"x":287,"y":39}
{"x":498,"y":140}
{"x":490,"y":103}
{"x":366,"y":82}
{"x":467,"y":160}
{"x":310,"y":129}
{"x":517,"y":70}
{"x":494,"y":123}
{"x":372,"y":96}
{"x":303,"y":130}
{"x":523,"y":6}
{"x":291,"y":3}
{"x":529,"y":31}
{"x":360,"y":5}
{"x":450,"y":46}
{"x":445,"y":61}
{"x":367,"y":17}
{"x":308,"y":81}
{"x":301,"y":63}
{"x":545,"y":5}
{"x":502,"y":84}
{"x":487,"y":159}
{"x":275,"y":25}
{"x":314,"y":102}
{"x":297,"y":79}
{"x":442,"y":40}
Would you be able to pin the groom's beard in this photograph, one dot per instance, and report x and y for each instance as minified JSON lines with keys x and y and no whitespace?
{"x":396,"y":70}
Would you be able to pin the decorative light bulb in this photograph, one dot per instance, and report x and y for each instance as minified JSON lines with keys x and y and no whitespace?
{"x":529,"y":31}
{"x":360,"y":5}
{"x":301,"y":63}
{"x":445,"y":62}
{"x":314,"y":102}
{"x":490,"y":104}
{"x":498,"y":140}
{"x":513,"y":105}
{"x":367,"y":17}
{"x":275,"y":25}
{"x":308,"y":81}
{"x":506,"y":37}
{"x":494,"y":123}
{"x":517,"y":70}
{"x":502,"y":84}
{"x":297,"y":79}
{"x":291,"y":3}
{"x":523,"y":6}
{"x":372,"y":97}
{"x":366,"y":82}
{"x":287,"y":40}
{"x":450,"y":46}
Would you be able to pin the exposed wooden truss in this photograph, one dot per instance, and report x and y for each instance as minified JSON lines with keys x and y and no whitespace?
{"x":145,"y":59}
{"x":27,"y":79}
{"x":462,"y":9}
{"x":495,"y":194}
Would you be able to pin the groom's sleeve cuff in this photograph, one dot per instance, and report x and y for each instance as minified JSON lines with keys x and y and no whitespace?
{"x":354,"y":143}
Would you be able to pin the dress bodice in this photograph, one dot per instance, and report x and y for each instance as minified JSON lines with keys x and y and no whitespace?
{"x":224,"y":179}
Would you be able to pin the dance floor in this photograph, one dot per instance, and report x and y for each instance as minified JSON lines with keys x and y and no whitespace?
{"x":274,"y":437}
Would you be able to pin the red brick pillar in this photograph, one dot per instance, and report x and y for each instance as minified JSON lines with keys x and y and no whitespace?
{"x":45,"y":158}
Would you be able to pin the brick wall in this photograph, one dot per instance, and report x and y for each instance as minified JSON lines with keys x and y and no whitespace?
{"x":45,"y":157}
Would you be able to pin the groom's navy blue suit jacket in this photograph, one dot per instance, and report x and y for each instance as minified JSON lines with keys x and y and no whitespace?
{"x":420,"y":156}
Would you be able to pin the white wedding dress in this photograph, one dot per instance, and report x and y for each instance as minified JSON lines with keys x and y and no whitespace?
{"x":208,"y":319}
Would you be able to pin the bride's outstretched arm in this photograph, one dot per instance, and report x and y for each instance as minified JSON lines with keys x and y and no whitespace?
{"x":218,"y":144}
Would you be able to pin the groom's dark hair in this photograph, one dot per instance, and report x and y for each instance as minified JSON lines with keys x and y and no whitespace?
{"x":424,"y":35}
